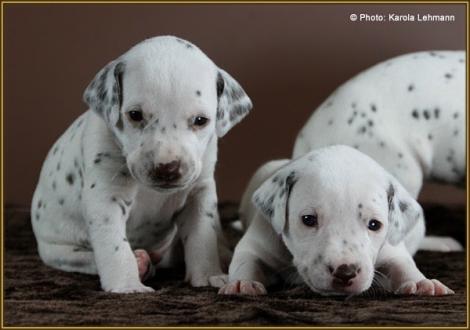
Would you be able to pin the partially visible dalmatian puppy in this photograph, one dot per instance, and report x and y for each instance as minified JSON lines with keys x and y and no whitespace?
{"x":336,"y":218}
{"x":135,"y":172}
{"x":407,"y":113}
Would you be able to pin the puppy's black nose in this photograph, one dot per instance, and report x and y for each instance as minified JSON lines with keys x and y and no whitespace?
{"x":344,"y":273}
{"x":167,"y":172}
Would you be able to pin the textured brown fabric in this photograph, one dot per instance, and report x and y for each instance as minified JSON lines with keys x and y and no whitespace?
{"x":38,"y":295}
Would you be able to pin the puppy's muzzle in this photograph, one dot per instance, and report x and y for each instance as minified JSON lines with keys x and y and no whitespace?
{"x":166,"y":174}
{"x":344,"y":275}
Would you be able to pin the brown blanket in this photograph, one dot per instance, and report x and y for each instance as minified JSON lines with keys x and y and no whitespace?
{"x":38,"y":295}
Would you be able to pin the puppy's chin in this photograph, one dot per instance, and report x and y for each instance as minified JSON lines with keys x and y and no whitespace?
{"x":169,"y":188}
{"x":328,"y":290}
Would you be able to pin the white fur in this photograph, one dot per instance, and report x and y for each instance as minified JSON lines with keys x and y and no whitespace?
{"x":96,"y":201}
{"x":407,"y":113}
{"x":345,"y":189}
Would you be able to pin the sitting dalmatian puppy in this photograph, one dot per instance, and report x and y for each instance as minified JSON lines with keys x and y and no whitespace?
{"x":408,"y":114}
{"x":332,"y":219}
{"x":135,"y":172}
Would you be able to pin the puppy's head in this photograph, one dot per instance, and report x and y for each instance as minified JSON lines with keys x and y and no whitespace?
{"x":335,"y":208}
{"x":166,"y":103}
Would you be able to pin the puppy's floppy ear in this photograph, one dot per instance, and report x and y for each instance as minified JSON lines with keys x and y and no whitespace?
{"x":232,"y":103}
{"x":272,"y":197}
{"x":104,"y":93}
{"x":403,"y":212}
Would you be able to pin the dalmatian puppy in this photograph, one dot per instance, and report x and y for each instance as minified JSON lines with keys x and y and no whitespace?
{"x":132,"y":178}
{"x":332,"y":219}
{"x":407,"y":113}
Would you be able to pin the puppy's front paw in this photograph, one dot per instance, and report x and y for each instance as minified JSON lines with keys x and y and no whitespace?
{"x":424,"y":287}
{"x":243,"y":287}
{"x":135,"y":288}
{"x":207,"y":280}
{"x":440,"y":244}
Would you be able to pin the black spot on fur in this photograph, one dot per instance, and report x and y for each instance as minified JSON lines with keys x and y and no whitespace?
{"x":198,"y":93}
{"x":430,"y":137}
{"x":360,"y":206}
{"x":436,"y":113}
{"x":93,"y":185}
{"x":116,"y":248}
{"x":448,"y":76}
{"x":400,"y":155}
{"x":456,"y":132}
{"x":403,"y":206}
{"x":373,"y":107}
{"x":56,"y":148}
{"x":58,"y":166}
{"x":362,"y":130}
{"x":370,"y":123}
{"x":120,"y":123}
{"x":382,"y":144}
{"x":70,"y":178}
{"x":61,"y":201}
{"x":163,"y":130}
{"x":411,"y":87}
{"x":456,"y":115}
{"x":415,"y":113}
{"x":54,"y":185}
{"x":210,"y":214}
{"x":97,"y":160}
{"x":390,"y":196}
{"x":353,"y":105}
{"x":330,"y":122}
{"x":426,"y":114}
{"x":220,"y":84}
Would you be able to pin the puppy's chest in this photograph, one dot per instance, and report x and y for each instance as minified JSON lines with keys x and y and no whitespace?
{"x":152,"y":217}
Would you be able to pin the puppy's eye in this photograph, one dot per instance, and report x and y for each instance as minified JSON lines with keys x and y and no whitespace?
{"x":200,"y":121}
{"x":135,"y":115}
{"x":310,"y":220}
{"x":374,"y":225}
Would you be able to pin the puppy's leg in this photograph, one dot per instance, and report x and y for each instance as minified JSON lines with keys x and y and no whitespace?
{"x":441,"y":244}
{"x":198,"y":224}
{"x":68,"y":258}
{"x":246,"y":275}
{"x":259,"y":250}
{"x":405,"y":277}
{"x":106,"y":208}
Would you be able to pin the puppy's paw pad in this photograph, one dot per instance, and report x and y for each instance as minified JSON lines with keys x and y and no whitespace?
{"x":144,"y":264}
{"x":424,"y":287}
{"x":243,"y":287}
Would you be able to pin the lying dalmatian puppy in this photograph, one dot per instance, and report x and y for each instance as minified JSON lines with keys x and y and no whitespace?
{"x":332,"y":218}
{"x":407,"y":113}
{"x":135,"y":172}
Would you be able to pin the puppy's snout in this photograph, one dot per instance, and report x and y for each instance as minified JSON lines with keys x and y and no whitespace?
{"x":167,"y":172}
{"x":343,"y":274}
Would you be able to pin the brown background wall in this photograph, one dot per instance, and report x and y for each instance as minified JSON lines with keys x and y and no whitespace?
{"x":287,"y":57}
